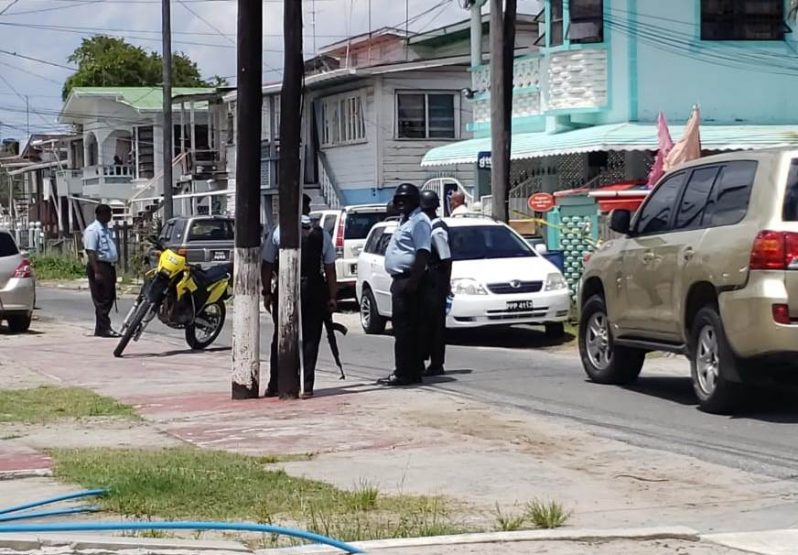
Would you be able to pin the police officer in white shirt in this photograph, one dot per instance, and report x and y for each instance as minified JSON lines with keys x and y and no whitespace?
{"x":102,"y":256}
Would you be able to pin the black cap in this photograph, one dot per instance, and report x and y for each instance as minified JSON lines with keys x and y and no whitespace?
{"x":429,"y":200}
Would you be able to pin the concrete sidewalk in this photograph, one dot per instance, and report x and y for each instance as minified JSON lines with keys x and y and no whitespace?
{"x":414,"y":441}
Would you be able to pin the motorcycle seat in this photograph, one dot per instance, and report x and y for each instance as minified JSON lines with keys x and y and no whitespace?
{"x":214,"y":273}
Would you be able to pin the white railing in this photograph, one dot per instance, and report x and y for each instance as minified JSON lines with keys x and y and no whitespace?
{"x":328,"y":190}
{"x":151,"y":187}
{"x":108,"y":170}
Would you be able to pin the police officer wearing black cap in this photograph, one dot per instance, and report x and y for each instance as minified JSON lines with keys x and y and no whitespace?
{"x":406,"y":261}
{"x":438,"y":285}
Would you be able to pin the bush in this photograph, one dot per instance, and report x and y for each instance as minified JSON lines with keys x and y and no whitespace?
{"x":47,"y":267}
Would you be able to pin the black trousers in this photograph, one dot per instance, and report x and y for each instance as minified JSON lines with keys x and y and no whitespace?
{"x":313,"y":301}
{"x":408,"y":330}
{"x":435,"y":317}
{"x":102,"y":285}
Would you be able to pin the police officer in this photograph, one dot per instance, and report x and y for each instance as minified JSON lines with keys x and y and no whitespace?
{"x":316,"y":298}
{"x":406,"y":261}
{"x":438,"y":285}
{"x":102,"y":255}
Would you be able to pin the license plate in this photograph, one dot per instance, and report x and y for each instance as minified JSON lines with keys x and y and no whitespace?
{"x":220,"y":255}
{"x":514,"y":306}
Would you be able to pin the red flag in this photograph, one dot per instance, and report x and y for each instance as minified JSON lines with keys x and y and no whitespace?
{"x":689,"y":148}
{"x":664,"y":145}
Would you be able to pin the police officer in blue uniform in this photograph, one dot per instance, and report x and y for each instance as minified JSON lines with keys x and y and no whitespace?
{"x":438,"y":285}
{"x":102,"y":256}
{"x":316,"y":297}
{"x":406,"y":261}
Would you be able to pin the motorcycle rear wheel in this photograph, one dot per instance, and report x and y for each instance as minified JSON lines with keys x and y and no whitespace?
{"x":131,"y":329}
{"x":214,"y":314}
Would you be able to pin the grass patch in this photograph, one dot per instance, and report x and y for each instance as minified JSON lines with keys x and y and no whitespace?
{"x":57,"y":267}
{"x":547,"y":514}
{"x":188,"y":483}
{"x":506,"y":522}
{"x":47,"y":403}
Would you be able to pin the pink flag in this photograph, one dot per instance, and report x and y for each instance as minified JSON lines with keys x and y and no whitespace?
{"x":664,"y":146}
{"x":689,"y":148}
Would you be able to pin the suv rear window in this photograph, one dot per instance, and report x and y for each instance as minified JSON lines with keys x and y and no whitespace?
{"x":211,"y":230}
{"x":728,"y":204}
{"x":7,"y":245}
{"x":791,"y":196}
{"x":358,"y":224}
{"x":486,"y":241}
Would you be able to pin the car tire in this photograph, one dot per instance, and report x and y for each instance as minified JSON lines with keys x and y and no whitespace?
{"x":555,"y":330}
{"x":19,"y":323}
{"x":712,"y":361}
{"x":370,"y":318}
{"x":603,"y":361}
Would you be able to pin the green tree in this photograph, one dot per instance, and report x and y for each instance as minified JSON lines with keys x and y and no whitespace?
{"x":105,"y":61}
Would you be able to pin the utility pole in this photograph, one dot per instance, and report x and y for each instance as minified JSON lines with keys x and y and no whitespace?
{"x":27,"y":114}
{"x":166,"y":24}
{"x":246,"y":270}
{"x":290,"y":189}
{"x":501,"y":94}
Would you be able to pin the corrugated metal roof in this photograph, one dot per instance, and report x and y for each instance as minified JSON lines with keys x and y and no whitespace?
{"x":139,"y":98}
{"x":620,"y":136}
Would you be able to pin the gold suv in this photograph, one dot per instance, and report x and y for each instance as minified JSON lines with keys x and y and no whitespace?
{"x":708,"y":268}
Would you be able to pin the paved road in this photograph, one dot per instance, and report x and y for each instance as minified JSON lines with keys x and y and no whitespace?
{"x":510,"y":368}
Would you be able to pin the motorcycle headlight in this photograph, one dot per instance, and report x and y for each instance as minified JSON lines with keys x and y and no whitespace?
{"x":468,"y":286}
{"x":556,"y":282}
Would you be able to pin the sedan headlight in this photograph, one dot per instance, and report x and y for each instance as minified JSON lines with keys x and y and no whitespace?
{"x":555,"y":282}
{"x":468,"y":286}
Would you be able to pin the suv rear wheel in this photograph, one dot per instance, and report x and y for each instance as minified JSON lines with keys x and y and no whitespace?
{"x":370,"y":318}
{"x":603,"y":361}
{"x":19,"y":323}
{"x":711,"y":361}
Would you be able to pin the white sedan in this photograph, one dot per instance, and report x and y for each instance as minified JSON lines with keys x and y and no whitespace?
{"x":497,"y":279}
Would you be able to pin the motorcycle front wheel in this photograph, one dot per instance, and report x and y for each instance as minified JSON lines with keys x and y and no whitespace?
{"x":130,"y":329}
{"x":207,"y":326}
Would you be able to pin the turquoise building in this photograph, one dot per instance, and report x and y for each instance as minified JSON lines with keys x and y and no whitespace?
{"x":586,"y":101}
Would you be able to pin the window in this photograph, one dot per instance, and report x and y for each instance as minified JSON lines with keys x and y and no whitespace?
{"x":211,"y":230}
{"x":694,"y":200}
{"x":728,"y":204}
{"x":556,"y":23}
{"x":487,"y":242}
{"x":373,"y":241}
{"x":358,"y":224}
{"x":655,"y":216}
{"x":791,"y":197}
{"x":383,"y":243}
{"x":342,"y":120}
{"x":742,"y":20}
{"x":7,"y":245}
{"x":587,"y":21}
{"x":426,"y":116}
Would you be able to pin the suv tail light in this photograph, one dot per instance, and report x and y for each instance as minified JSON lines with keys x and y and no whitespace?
{"x":774,"y":250}
{"x":24,"y":270}
{"x":339,"y":235}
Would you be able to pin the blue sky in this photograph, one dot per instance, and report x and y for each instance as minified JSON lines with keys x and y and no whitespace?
{"x":43,"y":33}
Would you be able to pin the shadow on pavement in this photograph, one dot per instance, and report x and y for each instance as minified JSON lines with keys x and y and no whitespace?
{"x":166,"y":354}
{"x":516,"y":337}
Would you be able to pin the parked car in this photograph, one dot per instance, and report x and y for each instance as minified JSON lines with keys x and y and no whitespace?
{"x":708,"y":268}
{"x":497,"y":279}
{"x":349,"y":228}
{"x":17,"y":285}
{"x":203,"y":240}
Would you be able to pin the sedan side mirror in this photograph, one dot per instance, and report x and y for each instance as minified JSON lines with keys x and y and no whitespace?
{"x":541,"y":249}
{"x":621,"y":221}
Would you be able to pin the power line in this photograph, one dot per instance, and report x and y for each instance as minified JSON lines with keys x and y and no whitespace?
{"x":39,"y":60}
{"x":8,"y":7}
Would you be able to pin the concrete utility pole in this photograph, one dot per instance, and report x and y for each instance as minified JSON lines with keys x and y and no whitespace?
{"x":166,"y":24}
{"x":502,"y":48}
{"x":290,"y":189}
{"x":246,"y":271}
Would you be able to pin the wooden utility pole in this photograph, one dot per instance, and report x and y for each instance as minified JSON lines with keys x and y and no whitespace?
{"x":290,"y":190}
{"x":246,"y":271}
{"x":166,"y":31}
{"x":502,"y":48}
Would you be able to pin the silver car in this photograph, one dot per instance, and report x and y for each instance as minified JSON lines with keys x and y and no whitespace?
{"x":17,"y":286}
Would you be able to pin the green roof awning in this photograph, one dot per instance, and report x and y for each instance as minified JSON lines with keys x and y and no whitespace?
{"x":619,"y":136}
{"x":139,"y":98}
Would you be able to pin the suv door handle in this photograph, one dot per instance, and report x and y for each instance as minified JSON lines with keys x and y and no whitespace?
{"x":689,"y":253}
{"x":648,"y":257}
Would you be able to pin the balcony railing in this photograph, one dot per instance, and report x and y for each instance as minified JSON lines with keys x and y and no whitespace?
{"x":107,"y":173}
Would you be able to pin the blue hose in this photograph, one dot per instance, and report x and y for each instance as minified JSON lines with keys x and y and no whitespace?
{"x":44,"y":514}
{"x":51,"y":500}
{"x":239,"y":527}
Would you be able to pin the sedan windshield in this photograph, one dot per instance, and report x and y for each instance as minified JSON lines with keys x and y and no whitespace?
{"x":482,"y":242}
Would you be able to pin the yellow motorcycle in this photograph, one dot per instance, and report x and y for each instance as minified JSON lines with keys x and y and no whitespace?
{"x":182,"y":296}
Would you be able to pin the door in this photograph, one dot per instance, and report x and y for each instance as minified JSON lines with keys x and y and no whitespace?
{"x":649,"y":265}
